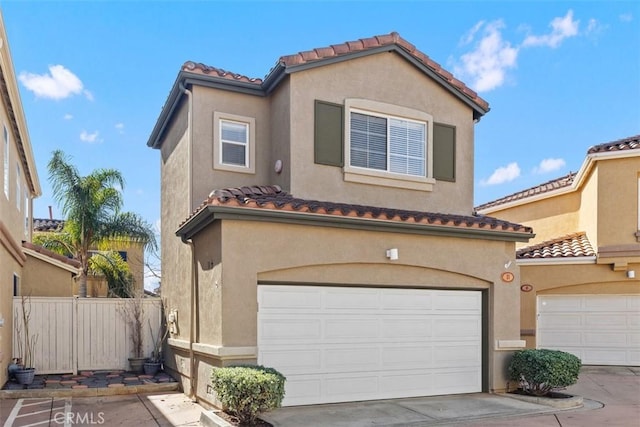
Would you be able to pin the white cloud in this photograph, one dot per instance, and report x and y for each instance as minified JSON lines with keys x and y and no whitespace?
{"x":626,"y":17}
{"x":561,"y":28}
{"x":492,"y":56}
{"x":68,"y":116}
{"x":549,"y":165}
{"x":503,"y":174}
{"x":88,"y":95}
{"x":89,"y":137}
{"x":120,"y":127}
{"x":59,"y":83}
{"x":468,"y":38}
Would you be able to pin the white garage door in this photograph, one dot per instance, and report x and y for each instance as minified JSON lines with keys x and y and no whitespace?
{"x":599,"y":329}
{"x":348,"y":344}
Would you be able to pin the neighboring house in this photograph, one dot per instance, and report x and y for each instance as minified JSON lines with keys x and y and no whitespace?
{"x":18,"y":186}
{"x":131,"y":252}
{"x":581,"y":276}
{"x":336,"y":241}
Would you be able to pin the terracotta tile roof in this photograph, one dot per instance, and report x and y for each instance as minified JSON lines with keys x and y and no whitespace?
{"x":51,"y":254}
{"x":41,"y":224}
{"x":546,"y":187}
{"x":571,"y":246}
{"x":631,"y":143}
{"x":272,"y":197}
{"x":337,"y":50}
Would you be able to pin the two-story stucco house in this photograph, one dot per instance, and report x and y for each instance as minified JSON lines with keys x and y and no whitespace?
{"x":18,"y":186}
{"x":319,"y":221}
{"x":581,"y":274}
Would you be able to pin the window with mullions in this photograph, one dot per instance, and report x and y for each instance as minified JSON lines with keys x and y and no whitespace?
{"x":234,"y":138}
{"x":388,"y":144}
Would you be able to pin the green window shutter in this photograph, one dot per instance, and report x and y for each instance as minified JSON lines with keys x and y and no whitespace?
{"x":444,"y":152}
{"x":329,"y":134}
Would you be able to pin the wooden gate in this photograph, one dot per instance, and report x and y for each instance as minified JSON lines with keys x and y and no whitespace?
{"x":85,"y":333}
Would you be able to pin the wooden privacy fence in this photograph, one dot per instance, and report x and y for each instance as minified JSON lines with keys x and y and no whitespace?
{"x":75,"y":334}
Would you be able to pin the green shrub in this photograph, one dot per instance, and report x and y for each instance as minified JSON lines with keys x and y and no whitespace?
{"x":539,"y":371}
{"x":246,"y":391}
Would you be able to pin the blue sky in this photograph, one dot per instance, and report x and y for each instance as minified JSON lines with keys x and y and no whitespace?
{"x":93,"y":76}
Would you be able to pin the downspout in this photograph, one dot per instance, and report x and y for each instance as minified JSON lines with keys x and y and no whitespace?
{"x":194,"y":275}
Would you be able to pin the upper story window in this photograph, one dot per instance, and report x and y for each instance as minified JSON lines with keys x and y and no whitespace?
{"x":6,"y":161}
{"x":234,"y":143}
{"x":383,"y":144}
{"x":388,"y":143}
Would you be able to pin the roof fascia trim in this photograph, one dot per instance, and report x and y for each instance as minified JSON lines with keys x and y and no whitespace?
{"x":556,"y":261}
{"x":581,"y":176}
{"x":212,"y":213}
{"x":52,"y":261}
{"x":175,"y":95}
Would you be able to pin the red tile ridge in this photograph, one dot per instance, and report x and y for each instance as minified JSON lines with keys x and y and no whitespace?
{"x":200,"y":68}
{"x":336,"y":50}
{"x":272,"y":197}
{"x":629,"y":143}
{"x":546,"y":187}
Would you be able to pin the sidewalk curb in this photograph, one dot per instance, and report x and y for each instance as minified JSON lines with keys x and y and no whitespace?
{"x":210,"y":419}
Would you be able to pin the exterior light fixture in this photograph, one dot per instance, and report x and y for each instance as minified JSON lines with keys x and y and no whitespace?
{"x":392,"y":254}
{"x":631,"y":274}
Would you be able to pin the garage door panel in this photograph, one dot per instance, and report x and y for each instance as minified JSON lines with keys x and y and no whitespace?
{"x":455,"y":328}
{"x":452,"y":302}
{"x":416,"y":328}
{"x":353,"y":299}
{"x":351,"y":359}
{"x":456,"y":381}
{"x":287,"y":298}
{"x":375,"y":350}
{"x":419,"y":357}
{"x":286,"y":330}
{"x":563,"y":321}
{"x":297,"y":360}
{"x":417,"y":301}
{"x":600,"y":329}
{"x":457,"y":356}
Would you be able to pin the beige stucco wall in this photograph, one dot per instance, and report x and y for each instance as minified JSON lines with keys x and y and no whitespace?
{"x":585,"y":279}
{"x":387,"y":78}
{"x":43,"y":279}
{"x":8,"y":266}
{"x":233,"y":257}
{"x":618,"y":201}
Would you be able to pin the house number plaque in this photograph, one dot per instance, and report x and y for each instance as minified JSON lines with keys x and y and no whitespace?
{"x":507,"y":277}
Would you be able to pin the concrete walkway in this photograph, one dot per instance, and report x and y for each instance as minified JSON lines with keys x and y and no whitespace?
{"x":140,"y":410}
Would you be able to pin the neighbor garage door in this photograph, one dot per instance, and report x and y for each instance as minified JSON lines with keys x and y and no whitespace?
{"x":347,"y":344}
{"x":600,"y":329}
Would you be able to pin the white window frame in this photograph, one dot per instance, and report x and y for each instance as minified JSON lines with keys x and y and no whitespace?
{"x":380,"y":177}
{"x":18,"y":187}
{"x":6,"y":161}
{"x":27,"y":212}
{"x":250,"y":153}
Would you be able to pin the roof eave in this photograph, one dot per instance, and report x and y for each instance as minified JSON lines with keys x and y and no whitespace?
{"x":185,"y":79}
{"x":211,"y":213}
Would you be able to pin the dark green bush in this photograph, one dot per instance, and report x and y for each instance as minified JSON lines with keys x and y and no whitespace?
{"x":539,"y":371}
{"x":246,"y":391}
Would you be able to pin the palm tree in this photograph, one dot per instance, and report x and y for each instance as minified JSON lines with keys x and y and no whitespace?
{"x":91,"y":206}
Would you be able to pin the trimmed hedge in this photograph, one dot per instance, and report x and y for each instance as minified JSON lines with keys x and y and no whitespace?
{"x":246,"y":391}
{"x":539,"y":371}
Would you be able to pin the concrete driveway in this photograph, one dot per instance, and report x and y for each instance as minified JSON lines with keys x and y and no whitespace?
{"x":611,"y":398}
